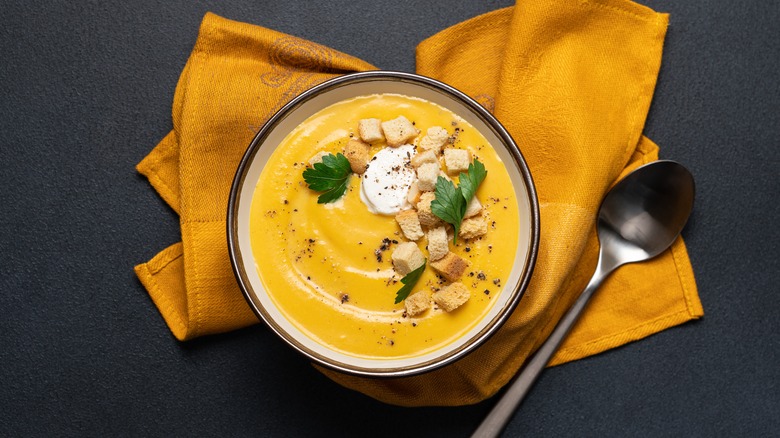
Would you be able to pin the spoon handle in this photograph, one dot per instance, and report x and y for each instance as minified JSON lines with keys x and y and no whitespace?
{"x":502,"y":412}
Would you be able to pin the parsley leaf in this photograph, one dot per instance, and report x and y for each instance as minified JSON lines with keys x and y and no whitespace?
{"x":471,"y":180}
{"x":409,"y":281}
{"x":450,"y":203}
{"x":331,"y":176}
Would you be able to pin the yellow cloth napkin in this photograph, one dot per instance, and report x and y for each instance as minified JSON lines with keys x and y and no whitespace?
{"x":572,"y":80}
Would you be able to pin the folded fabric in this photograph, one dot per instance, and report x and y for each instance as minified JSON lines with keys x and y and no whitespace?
{"x":572,"y":81}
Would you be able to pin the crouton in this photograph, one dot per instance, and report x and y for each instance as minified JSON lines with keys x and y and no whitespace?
{"x":473,"y":208}
{"x":424,"y":213}
{"x":399,"y":131}
{"x":407,"y":257}
{"x":424,"y":157}
{"x":410,"y":224}
{"x":457,"y":160}
{"x":438,"y":244}
{"x":417,"y":303}
{"x":451,"y":297}
{"x":473,"y":227}
{"x":437,"y":134}
{"x":434,"y":140}
{"x":370,"y":130}
{"x":427,"y":174}
{"x":357,"y":153}
{"x":317,"y":158}
{"x":413,"y":195}
{"x":451,"y":266}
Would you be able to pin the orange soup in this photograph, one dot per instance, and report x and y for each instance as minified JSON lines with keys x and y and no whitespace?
{"x":328,"y":267}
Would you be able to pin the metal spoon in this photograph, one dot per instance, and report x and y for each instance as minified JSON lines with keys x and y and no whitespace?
{"x":638,"y":219}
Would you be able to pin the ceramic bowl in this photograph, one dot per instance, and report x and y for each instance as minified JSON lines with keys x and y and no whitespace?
{"x":336,"y":90}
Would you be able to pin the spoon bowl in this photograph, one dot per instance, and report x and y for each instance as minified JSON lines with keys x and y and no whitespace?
{"x":644,"y":213}
{"x":639,"y":218}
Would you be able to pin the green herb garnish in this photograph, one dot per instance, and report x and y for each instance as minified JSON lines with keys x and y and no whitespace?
{"x":469,"y":182}
{"x":450,"y":203}
{"x":330,"y":176}
{"x":409,"y":281}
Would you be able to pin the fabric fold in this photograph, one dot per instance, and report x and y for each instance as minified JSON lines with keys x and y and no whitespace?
{"x":572,"y":81}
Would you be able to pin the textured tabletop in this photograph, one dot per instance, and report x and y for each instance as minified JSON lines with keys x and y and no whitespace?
{"x":86,"y":93}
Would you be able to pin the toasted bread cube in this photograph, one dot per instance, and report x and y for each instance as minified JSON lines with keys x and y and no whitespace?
{"x":434,"y":139}
{"x":317,"y":158}
{"x":437,"y":134}
{"x":399,"y":131}
{"x":451,"y":297}
{"x":417,"y":303}
{"x":427,"y":145}
{"x":407,"y":257}
{"x":457,"y":160}
{"x":451,"y":266}
{"x":424,"y":157}
{"x":410,"y":224}
{"x":357,"y":153}
{"x":427,"y":174}
{"x":370,"y":130}
{"x":424,"y":213}
{"x":473,"y":208}
{"x":472,"y":227}
{"x":438,"y":243}
{"x":413,"y":195}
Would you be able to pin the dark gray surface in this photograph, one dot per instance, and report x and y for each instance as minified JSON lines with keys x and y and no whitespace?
{"x":86,"y":90}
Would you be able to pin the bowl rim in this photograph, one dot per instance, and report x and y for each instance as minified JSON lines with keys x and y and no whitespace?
{"x":384,"y":75}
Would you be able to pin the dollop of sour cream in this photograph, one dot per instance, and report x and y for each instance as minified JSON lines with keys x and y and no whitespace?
{"x":386,"y":182}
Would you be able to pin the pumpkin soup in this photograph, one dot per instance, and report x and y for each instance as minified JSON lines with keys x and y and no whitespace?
{"x":370,"y":267}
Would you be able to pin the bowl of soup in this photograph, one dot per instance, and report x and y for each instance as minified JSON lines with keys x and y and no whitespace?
{"x":383,"y":224}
